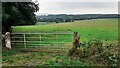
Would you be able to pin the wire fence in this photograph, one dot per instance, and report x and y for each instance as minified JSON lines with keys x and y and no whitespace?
{"x":40,"y":39}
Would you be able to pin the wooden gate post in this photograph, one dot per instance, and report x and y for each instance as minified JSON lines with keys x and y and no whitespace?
{"x":76,"y":40}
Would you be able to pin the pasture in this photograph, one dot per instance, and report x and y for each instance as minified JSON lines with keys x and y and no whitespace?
{"x":105,"y":30}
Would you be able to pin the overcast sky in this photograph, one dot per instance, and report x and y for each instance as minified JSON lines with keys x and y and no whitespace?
{"x":62,"y":7}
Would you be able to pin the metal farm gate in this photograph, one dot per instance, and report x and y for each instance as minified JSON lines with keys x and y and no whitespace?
{"x":26,"y":40}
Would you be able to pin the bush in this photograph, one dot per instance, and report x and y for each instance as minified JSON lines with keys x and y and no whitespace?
{"x":96,"y":53}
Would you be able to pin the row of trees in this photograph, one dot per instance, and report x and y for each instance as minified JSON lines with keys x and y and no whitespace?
{"x":57,"y":20}
{"x":72,"y":18}
{"x":18,"y":13}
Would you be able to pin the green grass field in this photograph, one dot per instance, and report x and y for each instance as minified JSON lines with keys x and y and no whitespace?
{"x":105,"y":30}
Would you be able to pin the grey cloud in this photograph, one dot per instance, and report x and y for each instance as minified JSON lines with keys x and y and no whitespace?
{"x":76,"y":5}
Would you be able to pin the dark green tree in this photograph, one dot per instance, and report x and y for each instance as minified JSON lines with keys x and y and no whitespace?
{"x":18,"y":13}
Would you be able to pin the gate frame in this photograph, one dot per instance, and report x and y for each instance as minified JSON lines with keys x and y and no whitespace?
{"x":24,"y":37}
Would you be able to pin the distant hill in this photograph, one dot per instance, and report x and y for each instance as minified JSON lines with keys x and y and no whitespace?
{"x":71,"y":18}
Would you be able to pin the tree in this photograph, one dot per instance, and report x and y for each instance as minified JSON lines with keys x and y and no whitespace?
{"x":18,"y":13}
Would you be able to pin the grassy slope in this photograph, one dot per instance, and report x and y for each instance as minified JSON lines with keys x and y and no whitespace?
{"x":104,"y":29}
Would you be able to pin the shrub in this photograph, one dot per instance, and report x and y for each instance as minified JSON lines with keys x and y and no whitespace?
{"x":96,"y":53}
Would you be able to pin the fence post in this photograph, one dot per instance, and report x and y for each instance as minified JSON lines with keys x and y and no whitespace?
{"x":24,"y":41}
{"x":7,"y":40}
{"x":76,"y":39}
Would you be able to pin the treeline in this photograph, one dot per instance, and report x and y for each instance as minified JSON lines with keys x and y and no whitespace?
{"x":72,"y":18}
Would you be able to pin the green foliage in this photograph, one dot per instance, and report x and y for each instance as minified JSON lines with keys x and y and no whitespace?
{"x":97,"y":43}
{"x":18,"y":13}
{"x":102,"y":55}
{"x":64,"y":61}
{"x":71,"y":18}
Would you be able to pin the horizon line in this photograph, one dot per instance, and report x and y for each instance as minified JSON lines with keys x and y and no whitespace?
{"x":76,"y":14}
